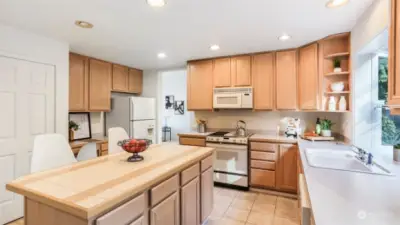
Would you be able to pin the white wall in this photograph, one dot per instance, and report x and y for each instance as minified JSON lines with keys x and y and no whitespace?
{"x":174,"y":83}
{"x":28,"y":46}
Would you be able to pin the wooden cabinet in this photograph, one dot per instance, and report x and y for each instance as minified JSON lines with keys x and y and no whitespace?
{"x":139,"y":221}
{"x":190,"y":203}
{"x":394,"y":58}
{"x":287,"y":167}
{"x":263,"y":73}
{"x":200,"y":85}
{"x":100,"y":73}
{"x":222,"y":72}
{"x":263,"y":178}
{"x":78,"y":82}
{"x":241,"y":71}
{"x":120,"y":78}
{"x":207,"y":193}
{"x":286,"y":80}
{"x":167,"y":212}
{"x":192,"y":141}
{"x":135,"y":81}
{"x":308,"y":77}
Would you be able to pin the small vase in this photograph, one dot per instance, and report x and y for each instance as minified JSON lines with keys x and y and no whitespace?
{"x":337,"y":70}
{"x":342,"y":104}
{"x":326,"y":133}
{"x":396,"y":154}
{"x":332,"y":103}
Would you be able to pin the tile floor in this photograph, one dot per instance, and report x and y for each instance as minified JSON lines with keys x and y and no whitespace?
{"x":233,"y":207}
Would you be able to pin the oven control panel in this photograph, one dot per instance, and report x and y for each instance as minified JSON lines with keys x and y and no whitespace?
{"x":242,"y":141}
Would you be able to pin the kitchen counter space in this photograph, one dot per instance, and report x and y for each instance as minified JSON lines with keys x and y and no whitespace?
{"x":195,"y":134}
{"x":349,"y":198}
{"x":272,"y":138}
{"x":87,"y":189}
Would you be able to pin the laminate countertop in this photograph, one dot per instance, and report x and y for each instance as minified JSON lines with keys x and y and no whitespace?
{"x":86,"y":189}
{"x":272,"y":138}
{"x":351,"y":198}
{"x":195,"y":134}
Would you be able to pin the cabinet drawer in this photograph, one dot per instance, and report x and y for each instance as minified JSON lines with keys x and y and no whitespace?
{"x":261,"y":146}
{"x":265,"y":178}
{"x":270,"y":156}
{"x":104,"y":146}
{"x":206,"y":163}
{"x":124,"y":213}
{"x":266,"y":165}
{"x":192,"y":141}
{"x":164,"y":189}
{"x":190,"y":173}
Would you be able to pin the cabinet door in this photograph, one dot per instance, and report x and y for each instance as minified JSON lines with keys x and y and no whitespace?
{"x":200,"y":85}
{"x":241,"y":70}
{"x":264,"y":178}
{"x":190,"y":203}
{"x":394,"y":58}
{"x":99,"y":85}
{"x":78,"y":82}
{"x":222,"y":72}
{"x":135,"y":81}
{"x":308,"y":77}
{"x":120,"y":78}
{"x":263,"y":81}
{"x":207,"y":193}
{"x":139,"y":221}
{"x":286,"y":80}
{"x":287,"y":168}
{"x":167,"y":212}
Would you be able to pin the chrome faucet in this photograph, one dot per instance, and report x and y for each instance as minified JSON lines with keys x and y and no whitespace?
{"x":363,"y":155}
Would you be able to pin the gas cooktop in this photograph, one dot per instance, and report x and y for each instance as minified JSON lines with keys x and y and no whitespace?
{"x":227,"y":137}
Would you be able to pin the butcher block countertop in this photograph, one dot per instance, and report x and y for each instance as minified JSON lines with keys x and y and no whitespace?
{"x":87,"y":189}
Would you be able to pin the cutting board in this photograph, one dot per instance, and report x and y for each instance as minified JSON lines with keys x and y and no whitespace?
{"x":318,"y":138}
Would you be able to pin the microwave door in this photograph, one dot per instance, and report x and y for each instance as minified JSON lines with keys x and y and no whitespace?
{"x":228,"y":101}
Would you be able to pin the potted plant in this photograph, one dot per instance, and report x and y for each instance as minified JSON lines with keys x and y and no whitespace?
{"x":336,"y":65}
{"x":394,"y":140}
{"x":326,"y":126}
{"x":396,"y":152}
{"x":73,"y":126}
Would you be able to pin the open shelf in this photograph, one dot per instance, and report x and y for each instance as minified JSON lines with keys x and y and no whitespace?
{"x":337,"y":74}
{"x":337,"y":92}
{"x":340,"y":54}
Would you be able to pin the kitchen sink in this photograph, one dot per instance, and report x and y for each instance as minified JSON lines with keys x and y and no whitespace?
{"x":342,"y":160}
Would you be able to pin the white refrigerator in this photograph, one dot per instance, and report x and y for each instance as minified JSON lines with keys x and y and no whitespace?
{"x":137,"y":115}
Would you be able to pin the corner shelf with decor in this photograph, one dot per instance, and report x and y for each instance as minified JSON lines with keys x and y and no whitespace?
{"x":335,"y":73}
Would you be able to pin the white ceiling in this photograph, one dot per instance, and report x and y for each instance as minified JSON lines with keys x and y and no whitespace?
{"x":130,"y":32}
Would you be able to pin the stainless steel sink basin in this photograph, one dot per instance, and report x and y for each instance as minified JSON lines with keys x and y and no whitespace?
{"x":342,"y":160}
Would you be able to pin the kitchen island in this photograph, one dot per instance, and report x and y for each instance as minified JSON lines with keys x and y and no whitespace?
{"x":173,"y":184}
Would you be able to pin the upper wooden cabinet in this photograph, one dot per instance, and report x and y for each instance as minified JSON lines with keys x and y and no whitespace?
{"x":241,"y":71}
{"x":120,"y":78}
{"x":135,"y":80}
{"x":200,"y":85}
{"x":78,"y":82}
{"x":100,"y":73}
{"x":286,"y":80}
{"x":287,"y":167}
{"x":222,"y":72}
{"x":308,"y":77}
{"x":394,"y":58}
{"x":263,"y":73}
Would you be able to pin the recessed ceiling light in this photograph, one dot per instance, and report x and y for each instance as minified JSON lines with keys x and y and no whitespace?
{"x":214,"y":47}
{"x":336,"y":3}
{"x":161,"y":55}
{"x":284,"y":37}
{"x":156,"y":3}
{"x":83,"y":24}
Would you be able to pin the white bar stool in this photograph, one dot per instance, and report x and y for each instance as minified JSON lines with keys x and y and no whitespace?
{"x":116,"y":134}
{"x":88,"y":151}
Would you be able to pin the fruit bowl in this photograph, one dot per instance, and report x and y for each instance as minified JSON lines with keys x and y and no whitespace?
{"x":134,"y":146}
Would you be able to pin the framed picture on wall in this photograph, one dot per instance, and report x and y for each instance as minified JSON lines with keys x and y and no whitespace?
{"x":79,"y":126}
{"x":179,"y":107}
{"x":169,"y":102}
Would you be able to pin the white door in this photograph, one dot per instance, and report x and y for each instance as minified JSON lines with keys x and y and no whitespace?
{"x":27,"y":109}
{"x":143,"y":109}
{"x":144,"y":129}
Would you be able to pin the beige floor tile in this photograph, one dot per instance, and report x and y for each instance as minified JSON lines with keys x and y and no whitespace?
{"x":257,"y":218}
{"x":212,"y":221}
{"x":227,"y":221}
{"x":268,"y":199}
{"x":237,"y":214}
{"x":219,"y":210}
{"x":242,"y":204}
{"x":285,"y":221}
{"x":228,"y":192}
{"x":263,"y":208}
{"x":286,"y":208}
{"x":247,"y":195}
{"x":17,"y":222}
{"x":222,"y":200}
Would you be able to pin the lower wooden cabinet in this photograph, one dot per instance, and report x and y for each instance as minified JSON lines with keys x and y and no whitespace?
{"x":263,"y":178}
{"x":139,"y":221}
{"x":287,"y":167}
{"x":207,"y":193}
{"x":167,"y":212}
{"x":190,"y":203}
{"x":192,"y":141}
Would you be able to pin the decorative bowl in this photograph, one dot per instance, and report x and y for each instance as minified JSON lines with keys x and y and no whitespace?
{"x":337,"y":87}
{"x":134,"y":146}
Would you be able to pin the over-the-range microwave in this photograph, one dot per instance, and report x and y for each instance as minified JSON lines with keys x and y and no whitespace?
{"x":233,"y":98}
